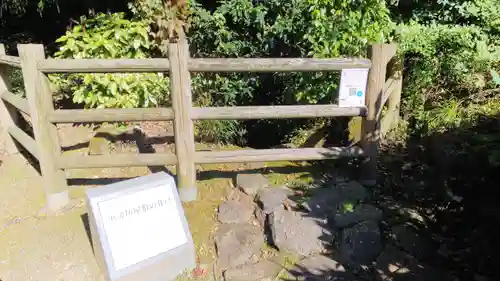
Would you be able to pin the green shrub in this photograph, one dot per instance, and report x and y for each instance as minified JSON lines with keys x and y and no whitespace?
{"x":446,"y":63}
{"x":452,"y":52}
{"x":107,"y":36}
{"x":273,"y":28}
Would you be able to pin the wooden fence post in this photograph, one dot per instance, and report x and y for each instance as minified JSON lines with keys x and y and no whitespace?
{"x":41,"y":105}
{"x":180,"y":91}
{"x":371,"y":124}
{"x":9,"y":116}
{"x":393,"y":103}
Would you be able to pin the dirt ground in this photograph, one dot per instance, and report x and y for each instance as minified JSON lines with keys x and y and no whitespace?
{"x":56,"y":247}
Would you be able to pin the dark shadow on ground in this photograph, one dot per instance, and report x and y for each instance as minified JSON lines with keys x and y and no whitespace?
{"x":86,"y":225}
{"x":91,"y":181}
{"x":145,"y":143}
{"x":288,"y":169}
{"x":443,"y":189}
{"x":451,"y":179}
{"x":24,"y":125}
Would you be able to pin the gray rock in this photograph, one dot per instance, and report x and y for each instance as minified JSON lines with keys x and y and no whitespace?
{"x":399,"y":214}
{"x":297,"y":233}
{"x":251,"y":183}
{"x":260,"y":217}
{"x":407,"y":238}
{"x":327,"y":200}
{"x":361,"y":243}
{"x":320,"y":267}
{"x":263,"y":270}
{"x":271,"y":199}
{"x":478,"y":277}
{"x":235,"y":212}
{"x":413,"y":215}
{"x":396,"y":265}
{"x":352,"y":191}
{"x":238,"y":244}
{"x":363,"y":212}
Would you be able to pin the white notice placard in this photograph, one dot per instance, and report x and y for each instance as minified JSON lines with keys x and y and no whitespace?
{"x":353,"y":87}
{"x":141,"y":225}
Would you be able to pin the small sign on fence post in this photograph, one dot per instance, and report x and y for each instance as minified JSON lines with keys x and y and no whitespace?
{"x":352,"y":90}
{"x":139,"y":231}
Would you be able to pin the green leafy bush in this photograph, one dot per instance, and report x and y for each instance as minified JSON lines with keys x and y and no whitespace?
{"x":452,"y":52}
{"x":273,"y":28}
{"x":446,"y":63}
{"x":107,"y":36}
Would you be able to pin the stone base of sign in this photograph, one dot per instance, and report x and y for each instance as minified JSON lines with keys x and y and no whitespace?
{"x":188,"y":194}
{"x":57,"y":201}
{"x":164,"y":266}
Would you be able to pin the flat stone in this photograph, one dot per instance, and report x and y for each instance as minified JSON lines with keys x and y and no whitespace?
{"x":263,"y":270}
{"x":234,"y":212}
{"x":362,"y":212}
{"x":238,"y":244}
{"x":327,"y":200}
{"x":251,"y":183}
{"x":396,"y":265}
{"x":478,"y":277}
{"x":321,"y":267}
{"x":270,"y":199}
{"x":260,"y":217}
{"x":352,"y":191}
{"x":399,"y":214}
{"x":361,"y":243}
{"x":297,"y":233}
{"x":408,"y":239}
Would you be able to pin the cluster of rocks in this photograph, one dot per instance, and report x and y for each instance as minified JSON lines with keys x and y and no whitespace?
{"x":331,"y":241}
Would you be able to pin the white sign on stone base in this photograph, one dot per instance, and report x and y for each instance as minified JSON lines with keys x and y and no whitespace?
{"x":352,"y":90}
{"x":139,"y":231}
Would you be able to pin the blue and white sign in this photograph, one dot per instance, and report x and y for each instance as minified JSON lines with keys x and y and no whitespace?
{"x":353,"y":87}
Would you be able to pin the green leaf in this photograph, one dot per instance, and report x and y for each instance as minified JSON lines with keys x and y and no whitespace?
{"x":113,"y":88}
{"x":495,"y":76}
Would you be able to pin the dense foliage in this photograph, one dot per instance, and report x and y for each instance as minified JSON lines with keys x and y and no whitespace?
{"x":273,"y":28}
{"x":451,"y":48}
{"x":110,"y":36}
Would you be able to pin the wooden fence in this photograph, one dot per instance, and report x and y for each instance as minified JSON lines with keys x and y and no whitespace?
{"x":39,"y":106}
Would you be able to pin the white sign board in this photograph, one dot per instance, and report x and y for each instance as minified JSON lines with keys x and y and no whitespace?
{"x":352,"y":88}
{"x":139,"y":231}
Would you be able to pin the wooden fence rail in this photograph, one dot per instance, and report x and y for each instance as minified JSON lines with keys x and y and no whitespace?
{"x":179,"y":64}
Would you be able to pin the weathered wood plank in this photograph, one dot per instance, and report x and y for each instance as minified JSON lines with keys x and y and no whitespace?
{"x":41,"y":104}
{"x":286,"y":154}
{"x":120,"y":160}
{"x":111,"y":115}
{"x":24,"y":139}
{"x":199,"y":65}
{"x":273,"y":64}
{"x":103,"y":65}
{"x":180,"y":83}
{"x":386,"y":123}
{"x":9,"y":116}
{"x":10,"y":60}
{"x":390,"y":51}
{"x":371,"y":124}
{"x":390,"y":87}
{"x":16,"y":101}
{"x":394,"y":100}
{"x":277,"y":112}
